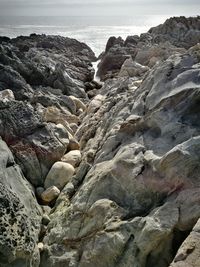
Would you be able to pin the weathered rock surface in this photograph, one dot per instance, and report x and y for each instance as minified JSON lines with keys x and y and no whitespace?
{"x":173,"y":36}
{"x":40,"y":60}
{"x":37,"y":75}
{"x":20,"y":215}
{"x":41,"y":72}
{"x":139,"y":199}
{"x":189,"y":253}
{"x":133,"y":199}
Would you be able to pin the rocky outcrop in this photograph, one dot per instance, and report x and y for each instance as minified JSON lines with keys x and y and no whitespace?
{"x":181,"y":31}
{"x":40,"y":60}
{"x":37,"y":75}
{"x":42,"y":71}
{"x":115,"y":168}
{"x":173,"y":36}
{"x":20,"y":215}
{"x":139,"y":198}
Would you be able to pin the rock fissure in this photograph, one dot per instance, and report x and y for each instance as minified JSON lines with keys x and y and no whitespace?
{"x":101,"y":174}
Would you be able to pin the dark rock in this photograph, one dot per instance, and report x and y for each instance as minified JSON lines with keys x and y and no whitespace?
{"x":35,"y":145}
{"x":9,"y":78}
{"x":112,"y":41}
{"x":180,"y":31}
{"x":173,"y":36}
{"x":20,"y":215}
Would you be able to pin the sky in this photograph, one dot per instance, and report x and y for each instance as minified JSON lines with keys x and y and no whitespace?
{"x":98,"y":7}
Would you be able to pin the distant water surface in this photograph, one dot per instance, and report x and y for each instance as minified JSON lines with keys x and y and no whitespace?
{"x":94,"y":31}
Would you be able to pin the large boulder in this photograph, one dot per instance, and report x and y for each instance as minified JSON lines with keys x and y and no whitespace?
{"x":73,"y":157}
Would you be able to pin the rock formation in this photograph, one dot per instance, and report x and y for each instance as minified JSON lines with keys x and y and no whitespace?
{"x":107,"y":177}
{"x":175,"y":35}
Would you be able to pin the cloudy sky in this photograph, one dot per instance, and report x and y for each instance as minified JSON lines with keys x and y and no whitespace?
{"x":98,"y":7}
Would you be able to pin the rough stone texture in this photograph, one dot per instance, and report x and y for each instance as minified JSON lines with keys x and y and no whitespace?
{"x":35,"y":115}
{"x":59,"y":175}
{"x":131,"y":68}
{"x":78,"y":103}
{"x":20,"y":215}
{"x":134,"y":200}
{"x":40,"y":60}
{"x":182,"y":32}
{"x":139,"y":200}
{"x":189,"y":252}
{"x":7,"y":95}
{"x":173,"y":36}
{"x":35,"y":112}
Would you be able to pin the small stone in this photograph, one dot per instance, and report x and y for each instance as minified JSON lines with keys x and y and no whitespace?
{"x":96,"y":103}
{"x":59,"y":175}
{"x":50,"y":194}
{"x":40,"y":246}
{"x":45,"y":219}
{"x":39,"y":191}
{"x":73,"y":144}
{"x":73,"y":158}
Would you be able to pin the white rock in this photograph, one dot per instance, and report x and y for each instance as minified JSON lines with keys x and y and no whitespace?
{"x":73,"y":158}
{"x":59,"y":175}
{"x":40,"y":246}
{"x":7,"y":95}
{"x":79,"y":104}
{"x":50,"y":194}
{"x":95,"y":103}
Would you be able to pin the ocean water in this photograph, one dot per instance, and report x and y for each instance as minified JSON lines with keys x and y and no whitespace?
{"x":94,"y":31}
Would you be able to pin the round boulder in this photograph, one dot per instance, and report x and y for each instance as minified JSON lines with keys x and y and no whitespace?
{"x":73,"y":158}
{"x":59,"y":175}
